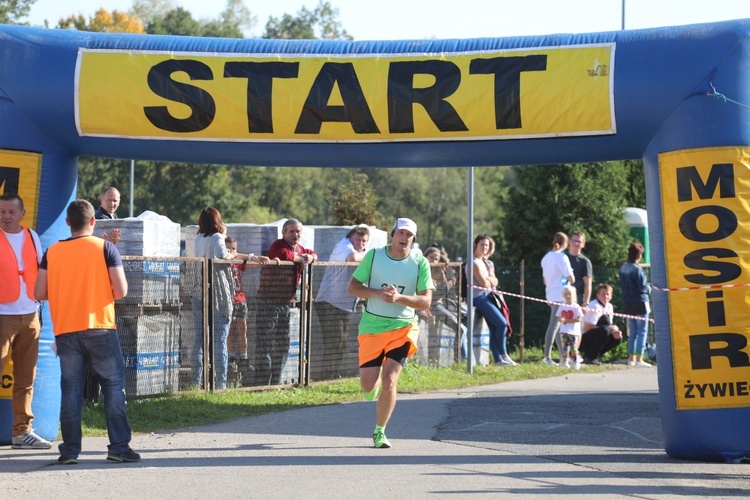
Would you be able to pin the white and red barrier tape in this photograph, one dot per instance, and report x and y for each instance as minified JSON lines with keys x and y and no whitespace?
{"x":534,"y":299}
{"x":701,"y":287}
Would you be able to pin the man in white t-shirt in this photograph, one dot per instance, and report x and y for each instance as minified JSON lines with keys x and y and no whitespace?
{"x":334,"y":306}
{"x":20,"y":254}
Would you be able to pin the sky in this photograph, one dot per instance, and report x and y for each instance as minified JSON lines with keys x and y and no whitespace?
{"x":442,"y":19}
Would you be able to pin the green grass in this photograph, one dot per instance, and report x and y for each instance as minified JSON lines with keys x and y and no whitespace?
{"x":199,"y":408}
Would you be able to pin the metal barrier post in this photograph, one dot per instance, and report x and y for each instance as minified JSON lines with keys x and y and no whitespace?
{"x":304,"y":323}
{"x":208,"y":340}
{"x":522,"y":292}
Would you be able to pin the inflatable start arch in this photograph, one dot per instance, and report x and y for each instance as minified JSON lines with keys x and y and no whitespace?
{"x":648,"y":94}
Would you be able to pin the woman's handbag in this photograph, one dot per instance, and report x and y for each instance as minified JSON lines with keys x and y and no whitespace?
{"x":499,"y":302}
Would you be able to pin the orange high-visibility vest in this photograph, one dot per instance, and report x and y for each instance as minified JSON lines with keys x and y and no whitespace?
{"x":9,"y":269}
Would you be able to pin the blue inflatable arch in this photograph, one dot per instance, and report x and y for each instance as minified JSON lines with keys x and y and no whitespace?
{"x":676,"y":97}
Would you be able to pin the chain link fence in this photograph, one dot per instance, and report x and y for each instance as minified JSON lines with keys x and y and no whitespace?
{"x":263,"y":330}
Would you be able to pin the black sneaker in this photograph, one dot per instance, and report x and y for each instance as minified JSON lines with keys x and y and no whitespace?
{"x":66,"y":460}
{"x":127,"y":456}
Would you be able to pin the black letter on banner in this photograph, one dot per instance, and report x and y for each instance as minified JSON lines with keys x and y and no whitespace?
{"x":721,"y":174}
{"x":727,"y":270}
{"x":701,"y":351}
{"x":507,"y":71}
{"x":10,"y":178}
{"x":402,"y":95}
{"x":260,"y":89}
{"x":715,"y":308}
{"x":355,"y":109}
{"x":199,"y":101}
{"x":689,"y":223}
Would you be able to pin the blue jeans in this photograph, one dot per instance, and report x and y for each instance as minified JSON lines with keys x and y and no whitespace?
{"x":637,"y":334}
{"x":221,"y":323}
{"x":497,"y":324}
{"x":100,"y":351}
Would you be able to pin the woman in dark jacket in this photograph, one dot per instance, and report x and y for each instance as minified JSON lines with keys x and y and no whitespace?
{"x":635,"y":297}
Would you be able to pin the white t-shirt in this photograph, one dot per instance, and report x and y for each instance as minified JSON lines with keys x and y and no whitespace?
{"x":555,"y":268}
{"x":596,"y":311}
{"x":570,"y":312}
{"x":24,"y":305}
{"x":333,"y":288}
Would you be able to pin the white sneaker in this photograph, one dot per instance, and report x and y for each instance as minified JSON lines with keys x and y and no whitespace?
{"x":576,"y":366}
{"x":631,"y":363}
{"x":29,"y":440}
{"x":564,"y":364}
{"x":642,"y":363}
{"x":549,"y":362}
{"x":508,"y":361}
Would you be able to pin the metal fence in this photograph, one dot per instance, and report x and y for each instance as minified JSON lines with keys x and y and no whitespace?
{"x":183,"y":326}
{"x":279,"y":335}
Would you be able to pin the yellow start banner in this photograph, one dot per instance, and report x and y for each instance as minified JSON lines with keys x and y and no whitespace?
{"x":21,"y":172}
{"x":706,"y":219}
{"x":510,"y":94}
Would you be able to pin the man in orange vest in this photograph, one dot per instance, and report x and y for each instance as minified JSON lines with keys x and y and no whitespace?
{"x":82,"y":277}
{"x":20,"y":254}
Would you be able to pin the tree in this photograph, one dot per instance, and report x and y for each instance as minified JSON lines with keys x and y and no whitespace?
{"x":163,"y":18}
{"x":542,"y":200}
{"x":148,"y":10}
{"x":636,"y":192}
{"x":356,"y":202}
{"x":12,"y":11}
{"x":175,"y":22}
{"x":104,"y":22}
{"x":307,"y":25}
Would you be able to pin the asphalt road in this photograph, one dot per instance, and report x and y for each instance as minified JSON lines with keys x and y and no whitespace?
{"x":595,"y":435}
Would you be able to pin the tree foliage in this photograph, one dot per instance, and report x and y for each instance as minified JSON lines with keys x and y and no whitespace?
{"x":542,"y":200}
{"x":103,"y":21}
{"x":14,"y":11}
{"x":164,"y":18}
{"x":356,"y":202}
{"x":322,"y":22}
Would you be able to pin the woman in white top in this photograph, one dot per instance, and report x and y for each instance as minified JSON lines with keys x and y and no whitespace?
{"x":484,"y":278}
{"x":557,"y":273}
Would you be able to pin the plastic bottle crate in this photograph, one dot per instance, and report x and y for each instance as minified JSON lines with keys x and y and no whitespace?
{"x":152,"y":281}
{"x":150,"y":350}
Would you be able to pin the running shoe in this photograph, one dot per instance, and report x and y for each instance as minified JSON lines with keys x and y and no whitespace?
{"x":29,"y":440}
{"x":549,"y":362}
{"x":127,"y":456}
{"x":373,"y":394}
{"x":61,"y":460}
{"x":642,"y":363}
{"x":378,"y":437}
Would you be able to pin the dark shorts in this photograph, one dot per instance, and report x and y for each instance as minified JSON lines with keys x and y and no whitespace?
{"x":239,"y":311}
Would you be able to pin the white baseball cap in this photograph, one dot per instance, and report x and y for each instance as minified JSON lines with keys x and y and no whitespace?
{"x":407,"y":224}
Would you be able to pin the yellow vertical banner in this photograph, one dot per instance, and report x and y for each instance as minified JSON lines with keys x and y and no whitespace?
{"x":21,"y":172}
{"x":706,"y":221}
